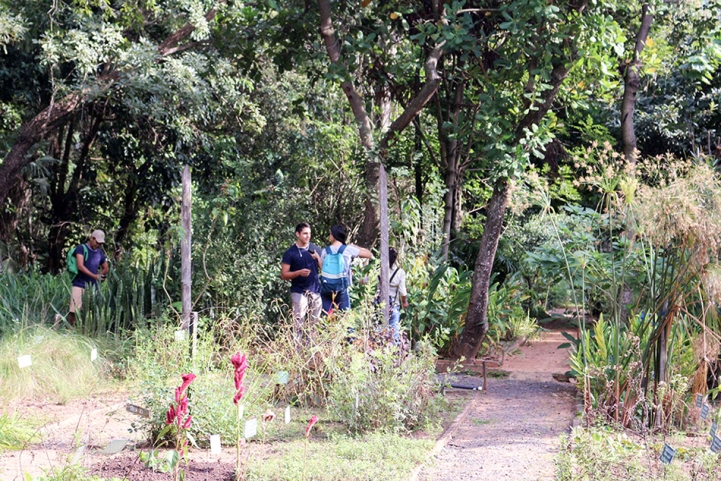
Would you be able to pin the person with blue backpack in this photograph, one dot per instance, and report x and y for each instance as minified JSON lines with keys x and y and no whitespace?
{"x":89,"y":259}
{"x":336,"y":276}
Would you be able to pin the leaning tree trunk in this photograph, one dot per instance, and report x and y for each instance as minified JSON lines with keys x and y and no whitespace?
{"x":476,"y":325}
{"x":477,"y":319}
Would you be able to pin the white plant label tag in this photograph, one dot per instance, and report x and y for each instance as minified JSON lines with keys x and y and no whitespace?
{"x":78,"y":455}
{"x":287,"y":415}
{"x":180,"y":335}
{"x":251,"y":428}
{"x":714,"y":426}
{"x":241,"y":411}
{"x":93,"y":355}
{"x":215,"y":444}
{"x":281,"y":377}
{"x":699,"y":400}
{"x":115,"y":446}
{"x":704,"y":411}
{"x":25,"y":361}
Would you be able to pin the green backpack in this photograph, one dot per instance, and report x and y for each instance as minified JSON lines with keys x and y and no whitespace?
{"x":72,"y":261}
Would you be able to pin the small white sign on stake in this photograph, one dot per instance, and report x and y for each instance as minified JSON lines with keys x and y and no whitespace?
{"x":287,"y":415}
{"x":25,"y":361}
{"x":78,"y":455}
{"x":215,"y":444}
{"x":180,"y":335}
{"x":115,"y":446}
{"x":251,"y":428}
{"x":241,"y":411}
{"x":93,"y":354}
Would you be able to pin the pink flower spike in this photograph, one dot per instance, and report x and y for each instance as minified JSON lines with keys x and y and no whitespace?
{"x":187,"y":379}
{"x":311,"y":423}
{"x":239,"y":362}
{"x":170,"y":415}
{"x":188,"y":422}
{"x":183,"y":407}
{"x":239,"y":394}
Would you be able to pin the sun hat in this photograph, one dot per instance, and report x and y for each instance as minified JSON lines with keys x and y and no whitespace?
{"x":99,"y":236}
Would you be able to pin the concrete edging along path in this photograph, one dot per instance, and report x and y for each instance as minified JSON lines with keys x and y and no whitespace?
{"x":511,"y":432}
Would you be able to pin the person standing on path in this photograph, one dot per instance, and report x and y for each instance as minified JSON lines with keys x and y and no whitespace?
{"x":397,"y":292}
{"x":339,"y":299}
{"x":300,"y":267}
{"x":90,"y":258}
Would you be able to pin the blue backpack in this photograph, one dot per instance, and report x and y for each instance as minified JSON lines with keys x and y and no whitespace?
{"x":333,"y":277}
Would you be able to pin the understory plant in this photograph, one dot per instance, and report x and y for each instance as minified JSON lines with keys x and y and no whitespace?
{"x":648,"y":261}
{"x":177,"y":424}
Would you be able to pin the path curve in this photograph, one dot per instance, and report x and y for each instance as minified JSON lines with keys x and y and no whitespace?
{"x":511,"y":431}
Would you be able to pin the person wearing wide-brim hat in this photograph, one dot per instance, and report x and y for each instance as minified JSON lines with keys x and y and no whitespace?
{"x":91,"y":259}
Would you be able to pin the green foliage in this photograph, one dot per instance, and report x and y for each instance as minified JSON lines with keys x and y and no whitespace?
{"x":603,"y":454}
{"x":31,"y":298}
{"x":381,"y":456}
{"x":57,"y":358}
{"x":381,"y":389}
{"x":15,"y":432}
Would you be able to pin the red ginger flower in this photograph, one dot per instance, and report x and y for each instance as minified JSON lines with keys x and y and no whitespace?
{"x":240,"y":364}
{"x":170,"y":415}
{"x":188,"y":422}
{"x":187,"y":379}
{"x":311,"y":423}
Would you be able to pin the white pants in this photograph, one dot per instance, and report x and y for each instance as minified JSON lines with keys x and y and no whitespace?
{"x":76,"y":299}
{"x":302,"y":303}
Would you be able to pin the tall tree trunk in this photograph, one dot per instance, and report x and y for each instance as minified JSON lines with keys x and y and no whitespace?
{"x":477,"y":318}
{"x":476,"y":325}
{"x":130,"y":213}
{"x":429,"y":89}
{"x":632,"y":82}
{"x":450,"y":156}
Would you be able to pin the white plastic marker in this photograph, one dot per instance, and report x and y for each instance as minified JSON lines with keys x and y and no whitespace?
{"x":251,"y":428}
{"x":180,"y":335}
{"x":115,"y":446}
{"x":25,"y":361}
{"x":78,"y":454}
{"x":281,"y":377}
{"x":215,"y":444}
{"x":287,"y":415}
{"x":93,"y":355}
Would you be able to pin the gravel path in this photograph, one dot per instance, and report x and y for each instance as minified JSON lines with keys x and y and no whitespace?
{"x":511,"y":432}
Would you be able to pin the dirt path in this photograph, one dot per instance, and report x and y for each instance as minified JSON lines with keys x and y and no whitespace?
{"x":511,"y":432}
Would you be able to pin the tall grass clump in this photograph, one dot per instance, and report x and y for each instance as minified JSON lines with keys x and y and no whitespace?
{"x":31,"y":298}
{"x":61,"y":365}
{"x":15,"y":432}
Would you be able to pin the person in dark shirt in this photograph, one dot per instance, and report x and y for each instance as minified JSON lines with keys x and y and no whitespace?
{"x":91,"y":259}
{"x":300,"y":267}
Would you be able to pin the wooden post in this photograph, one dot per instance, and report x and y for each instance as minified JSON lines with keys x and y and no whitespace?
{"x":384,"y":225}
{"x":185,"y":245}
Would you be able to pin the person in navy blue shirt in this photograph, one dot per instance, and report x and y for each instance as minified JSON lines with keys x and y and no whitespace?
{"x":91,"y":259}
{"x":300,"y":267}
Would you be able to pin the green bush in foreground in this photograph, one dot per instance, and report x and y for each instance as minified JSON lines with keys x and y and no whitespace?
{"x":602,"y":454}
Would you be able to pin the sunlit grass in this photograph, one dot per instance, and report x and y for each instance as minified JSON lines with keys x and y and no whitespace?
{"x":377,"y":457}
{"x":15,"y":432}
{"x":61,"y":368}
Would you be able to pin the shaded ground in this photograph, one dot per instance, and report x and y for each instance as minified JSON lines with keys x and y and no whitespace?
{"x":511,"y":431}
